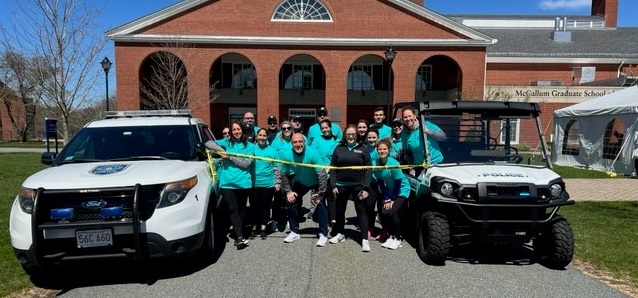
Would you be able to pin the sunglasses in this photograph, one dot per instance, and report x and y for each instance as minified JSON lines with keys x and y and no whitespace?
{"x":351,"y":135}
{"x":285,"y":128}
{"x":272,"y":123}
{"x":225,"y":133}
{"x":397,"y":125}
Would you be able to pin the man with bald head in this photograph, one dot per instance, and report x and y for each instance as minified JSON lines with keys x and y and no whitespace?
{"x":306,"y":178}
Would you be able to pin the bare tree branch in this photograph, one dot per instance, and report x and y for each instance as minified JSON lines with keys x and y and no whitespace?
{"x":165,"y":81}
{"x":63,"y":33}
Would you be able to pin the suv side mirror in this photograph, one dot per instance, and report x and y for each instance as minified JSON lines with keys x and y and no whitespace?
{"x":47,"y":158}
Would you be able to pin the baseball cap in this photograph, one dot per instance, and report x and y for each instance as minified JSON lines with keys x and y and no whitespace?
{"x":295,"y":119}
{"x":397,"y":120}
{"x":323,"y":111}
{"x":272,"y":119}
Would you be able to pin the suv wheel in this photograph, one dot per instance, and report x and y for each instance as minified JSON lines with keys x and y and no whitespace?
{"x":208,"y":247}
{"x":555,"y":246}
{"x":434,"y":238}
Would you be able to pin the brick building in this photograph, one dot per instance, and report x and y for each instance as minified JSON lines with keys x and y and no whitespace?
{"x":288,"y":58}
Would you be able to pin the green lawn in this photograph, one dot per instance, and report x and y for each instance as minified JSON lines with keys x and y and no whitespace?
{"x":612,"y":246}
{"x":16,"y":167}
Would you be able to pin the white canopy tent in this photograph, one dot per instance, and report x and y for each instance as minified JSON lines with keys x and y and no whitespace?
{"x":600,"y":133}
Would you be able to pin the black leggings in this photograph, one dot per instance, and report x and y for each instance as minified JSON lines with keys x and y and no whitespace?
{"x":260,"y":205}
{"x":345,"y":193}
{"x":391,"y":217}
{"x":235,"y":200}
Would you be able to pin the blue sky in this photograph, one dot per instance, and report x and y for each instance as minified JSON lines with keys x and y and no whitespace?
{"x":118,"y":12}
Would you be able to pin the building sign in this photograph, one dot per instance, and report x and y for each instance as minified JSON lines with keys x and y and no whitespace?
{"x":573,"y":94}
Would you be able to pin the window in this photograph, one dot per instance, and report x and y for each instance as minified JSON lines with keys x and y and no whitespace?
{"x":302,"y":10}
{"x":424,"y":78}
{"x":613,"y":139}
{"x":571,"y":142}
{"x":514,"y":130}
{"x":301,"y":78}
{"x":244,"y":76}
{"x":360,"y":78}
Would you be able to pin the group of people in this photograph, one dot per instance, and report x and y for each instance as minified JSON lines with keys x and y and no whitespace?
{"x":360,"y":164}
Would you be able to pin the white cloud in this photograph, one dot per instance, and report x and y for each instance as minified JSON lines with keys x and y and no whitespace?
{"x":564,"y":4}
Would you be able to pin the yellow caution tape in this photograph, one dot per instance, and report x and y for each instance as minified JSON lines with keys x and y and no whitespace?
{"x":320,"y":166}
{"x":213,"y":171}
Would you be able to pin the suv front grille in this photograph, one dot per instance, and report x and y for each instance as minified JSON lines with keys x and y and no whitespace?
{"x":107,"y":197}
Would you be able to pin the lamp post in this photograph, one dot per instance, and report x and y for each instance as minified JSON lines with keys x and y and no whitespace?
{"x":390,"y":54}
{"x":106,"y":65}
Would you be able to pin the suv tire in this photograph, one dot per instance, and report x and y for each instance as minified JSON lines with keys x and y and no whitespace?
{"x":434,"y":238}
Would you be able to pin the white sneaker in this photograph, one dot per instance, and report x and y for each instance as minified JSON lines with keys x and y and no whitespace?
{"x":395,"y":244}
{"x":365,"y":245}
{"x":387,"y":242}
{"x":337,"y":238}
{"x":323,"y":240}
{"x":292,"y":237}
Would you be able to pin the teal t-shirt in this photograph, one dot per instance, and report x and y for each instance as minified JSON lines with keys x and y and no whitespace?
{"x":411,"y":141}
{"x":305,"y":175}
{"x":232,"y":176}
{"x":390,"y":177}
{"x":325,"y":147}
{"x":264,"y":170}
{"x":384,"y":130}
{"x":314,"y":132}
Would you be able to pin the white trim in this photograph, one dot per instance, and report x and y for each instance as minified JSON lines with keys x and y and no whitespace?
{"x":549,"y":60}
{"x":307,"y":41}
{"x":516,"y":140}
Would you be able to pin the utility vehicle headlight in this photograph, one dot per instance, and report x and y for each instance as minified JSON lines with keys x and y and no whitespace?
{"x":447,"y":189}
{"x":175,"y":192}
{"x":556,"y":190}
{"x":26,"y":199}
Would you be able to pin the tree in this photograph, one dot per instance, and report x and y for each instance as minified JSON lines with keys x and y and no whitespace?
{"x":63,"y":34}
{"x":19,"y":91}
{"x":164,"y":80}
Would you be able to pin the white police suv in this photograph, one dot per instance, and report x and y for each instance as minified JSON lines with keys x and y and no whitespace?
{"x":133,"y":185}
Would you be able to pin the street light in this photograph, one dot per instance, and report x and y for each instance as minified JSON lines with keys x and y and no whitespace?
{"x":389,"y":57}
{"x":106,"y":65}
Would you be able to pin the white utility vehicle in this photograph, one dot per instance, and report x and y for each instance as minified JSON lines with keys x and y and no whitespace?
{"x":484,"y":190}
{"x":133,"y":185}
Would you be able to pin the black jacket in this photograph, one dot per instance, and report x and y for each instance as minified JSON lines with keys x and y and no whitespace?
{"x":342,"y":157}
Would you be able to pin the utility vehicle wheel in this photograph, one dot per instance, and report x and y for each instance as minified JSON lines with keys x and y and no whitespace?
{"x":555,"y":247}
{"x":434,"y":238}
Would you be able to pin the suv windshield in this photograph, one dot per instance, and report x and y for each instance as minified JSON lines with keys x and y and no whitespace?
{"x":130,"y":143}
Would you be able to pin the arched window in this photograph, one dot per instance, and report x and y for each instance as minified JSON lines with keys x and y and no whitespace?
{"x":613,"y":139}
{"x":302,"y":10}
{"x":571,"y":143}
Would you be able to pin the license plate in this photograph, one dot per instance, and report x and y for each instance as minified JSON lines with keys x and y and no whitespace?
{"x":94,"y":238}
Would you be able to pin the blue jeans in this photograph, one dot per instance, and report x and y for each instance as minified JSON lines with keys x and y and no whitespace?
{"x":293,"y":210}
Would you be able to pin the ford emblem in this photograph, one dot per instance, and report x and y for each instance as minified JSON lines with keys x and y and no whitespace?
{"x":94,"y":204}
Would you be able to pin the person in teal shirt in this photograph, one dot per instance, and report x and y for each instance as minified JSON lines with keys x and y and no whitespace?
{"x":412,"y":141}
{"x":235,"y":179}
{"x":394,"y":188}
{"x":264,"y":183}
{"x":314,"y":132}
{"x":397,"y":129}
{"x":307,"y":179}
{"x":325,"y":145}
{"x":384,"y":130}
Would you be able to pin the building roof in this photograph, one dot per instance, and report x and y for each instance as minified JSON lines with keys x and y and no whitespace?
{"x":133,"y":31}
{"x":586,"y":46}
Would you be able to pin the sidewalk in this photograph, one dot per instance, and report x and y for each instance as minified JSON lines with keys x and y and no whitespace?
{"x":620,"y":189}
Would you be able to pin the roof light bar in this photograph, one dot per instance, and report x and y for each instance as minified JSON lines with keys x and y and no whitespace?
{"x":148,"y":113}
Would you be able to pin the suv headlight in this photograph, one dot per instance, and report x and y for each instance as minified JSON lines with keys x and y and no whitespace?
{"x":26,"y":199}
{"x":175,"y":192}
